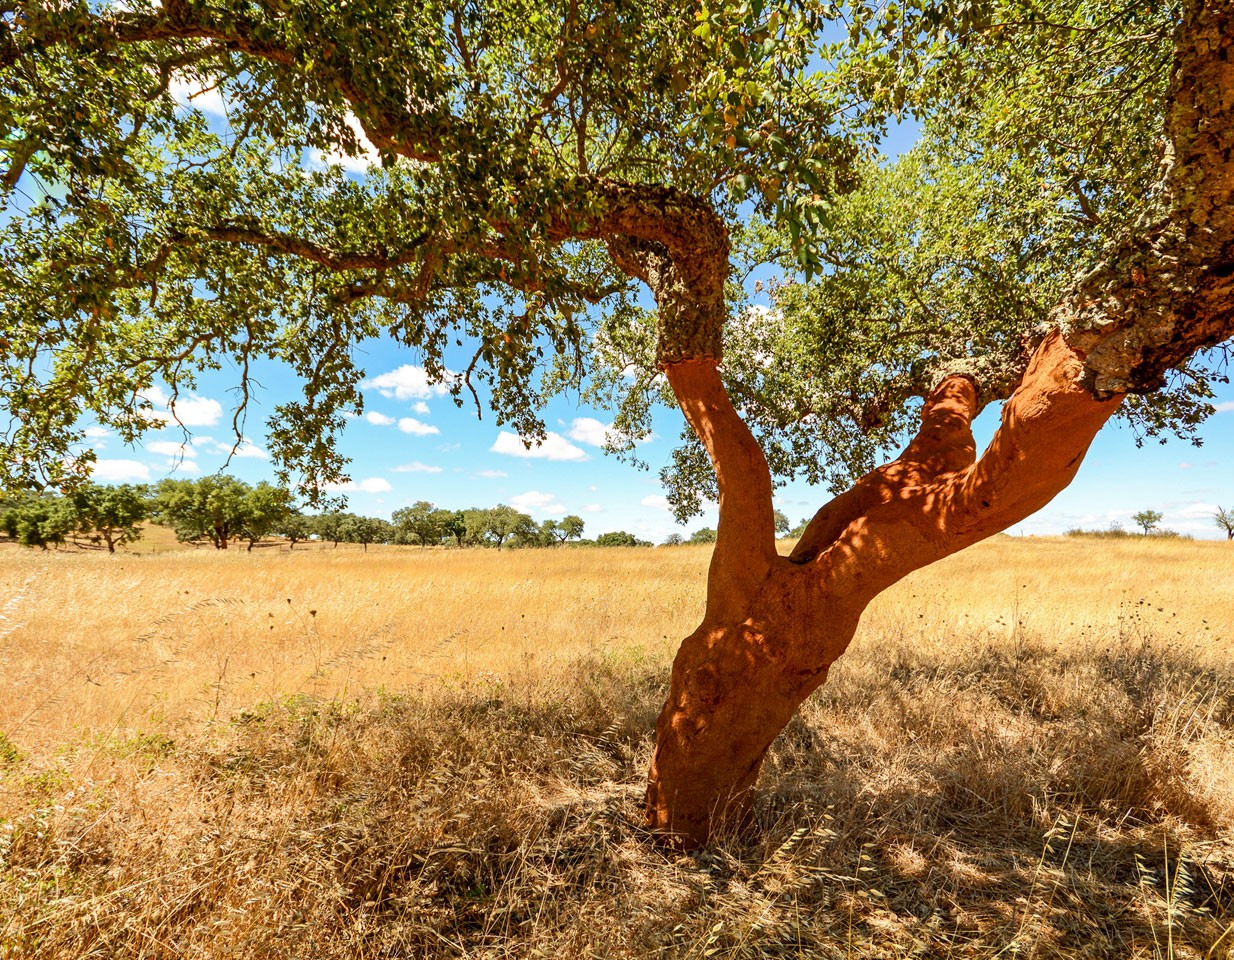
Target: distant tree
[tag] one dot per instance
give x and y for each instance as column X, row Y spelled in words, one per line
column 111, row 514
column 1225, row 520
column 781, row 522
column 503, row 523
column 364, row 530
column 264, row 512
column 330, row 526
column 556, row 532
column 475, row 526
column 799, row 530
column 456, row 527
column 673, row 540
column 620, row 539
column 422, row 523
column 210, row 508
column 705, row 535
column 296, row 527
column 38, row 520
column 1147, row 520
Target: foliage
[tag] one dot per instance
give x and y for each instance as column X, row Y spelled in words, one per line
column 297, row 527
column 484, row 234
column 704, row 535
column 113, row 514
column 421, row 523
column 221, row 509
column 569, row 527
column 265, row 511
column 364, row 530
column 620, row 538
column 1147, row 520
column 37, row 520
column 508, row 140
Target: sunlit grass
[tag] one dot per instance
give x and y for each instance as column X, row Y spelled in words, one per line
column 1028, row 751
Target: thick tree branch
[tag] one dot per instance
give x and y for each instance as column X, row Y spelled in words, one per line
column 745, row 538
column 935, row 500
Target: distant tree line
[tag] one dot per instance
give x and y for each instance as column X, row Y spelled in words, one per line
column 221, row 511
column 94, row 513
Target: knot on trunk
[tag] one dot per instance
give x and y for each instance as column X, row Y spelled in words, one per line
column 689, row 296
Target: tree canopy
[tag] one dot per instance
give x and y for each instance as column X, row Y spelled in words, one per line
column 526, row 158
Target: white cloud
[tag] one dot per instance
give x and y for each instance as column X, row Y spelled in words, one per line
column 369, row 155
column 1186, row 466
column 591, row 431
column 416, row 467
column 187, row 468
column 413, row 426
column 120, row 471
column 1227, row 407
column 588, row 430
column 246, row 449
column 170, row 448
column 492, row 474
column 97, row 433
column 406, row 383
column 655, row 500
column 378, row 419
column 554, row 447
column 420, row 407
column 592, row 508
column 367, row 485
column 188, row 409
column 533, row 501
column 193, row 92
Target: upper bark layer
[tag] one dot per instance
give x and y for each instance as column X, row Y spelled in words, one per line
column 1168, row 292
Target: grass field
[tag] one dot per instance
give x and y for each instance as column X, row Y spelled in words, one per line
column 1028, row 751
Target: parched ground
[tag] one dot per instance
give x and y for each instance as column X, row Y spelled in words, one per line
column 1029, row 751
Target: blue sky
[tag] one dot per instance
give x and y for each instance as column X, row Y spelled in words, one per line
column 412, row 443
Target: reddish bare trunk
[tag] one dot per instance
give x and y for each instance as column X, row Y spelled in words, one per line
column 774, row 625
column 734, row 687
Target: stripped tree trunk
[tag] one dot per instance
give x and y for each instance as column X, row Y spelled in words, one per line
column 774, row 625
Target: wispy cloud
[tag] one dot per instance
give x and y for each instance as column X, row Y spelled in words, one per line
column 120, row 471
column 491, row 474
column 588, row 430
column 1226, row 407
column 656, row 500
column 366, row 157
column 553, row 447
column 416, row 467
column 188, row 409
column 591, row 431
column 198, row 94
column 408, row 382
column 533, row 501
column 417, row 427
column 367, row 485
column 378, row 419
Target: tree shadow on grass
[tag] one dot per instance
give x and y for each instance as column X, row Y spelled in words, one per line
column 1027, row 805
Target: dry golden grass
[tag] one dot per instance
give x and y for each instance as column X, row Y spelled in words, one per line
column 1029, row 751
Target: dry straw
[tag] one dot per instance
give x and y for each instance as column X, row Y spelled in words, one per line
column 1029, row 752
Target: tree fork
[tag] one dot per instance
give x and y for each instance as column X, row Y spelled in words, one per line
column 774, row 625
